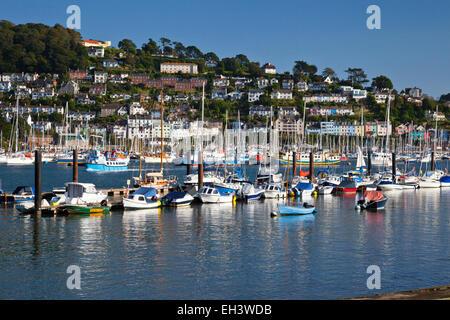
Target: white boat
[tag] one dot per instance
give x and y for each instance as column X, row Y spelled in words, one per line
column 19, row 160
column 249, row 192
column 208, row 178
column 326, row 189
column 212, row 195
column 431, row 179
column 381, row 159
column 386, row 183
column 273, row 191
column 142, row 198
column 83, row 193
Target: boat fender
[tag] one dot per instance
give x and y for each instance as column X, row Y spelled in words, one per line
column 358, row 207
column 273, row 214
column 103, row 203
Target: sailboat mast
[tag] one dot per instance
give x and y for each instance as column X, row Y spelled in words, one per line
column 162, row 134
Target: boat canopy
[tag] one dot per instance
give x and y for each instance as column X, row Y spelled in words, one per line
column 23, row 189
column 304, row 186
column 175, row 195
column 373, row 195
column 146, row 192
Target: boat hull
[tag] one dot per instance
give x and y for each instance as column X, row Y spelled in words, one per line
column 102, row 167
column 86, row 210
column 291, row 211
column 132, row 204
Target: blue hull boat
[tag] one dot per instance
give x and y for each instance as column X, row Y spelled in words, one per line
column 289, row 210
column 102, row 167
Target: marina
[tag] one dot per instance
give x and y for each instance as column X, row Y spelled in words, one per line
column 190, row 250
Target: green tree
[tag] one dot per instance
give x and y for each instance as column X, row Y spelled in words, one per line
column 127, row 45
column 382, row 82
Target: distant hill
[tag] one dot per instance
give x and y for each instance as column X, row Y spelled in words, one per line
column 39, row 48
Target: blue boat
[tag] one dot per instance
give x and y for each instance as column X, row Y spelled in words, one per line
column 21, row 194
column 110, row 161
column 291, row 210
column 177, row 199
column 303, row 187
column 445, row 181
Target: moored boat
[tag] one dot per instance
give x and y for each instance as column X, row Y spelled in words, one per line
column 374, row 200
column 142, row 198
column 293, row 210
column 177, row 199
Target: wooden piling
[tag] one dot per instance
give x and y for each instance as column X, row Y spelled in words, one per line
column 311, row 166
column 75, row 166
column 37, row 181
column 294, row 164
column 394, row 168
column 432, row 161
column 369, row 162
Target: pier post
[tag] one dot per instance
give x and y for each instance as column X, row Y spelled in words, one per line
column 432, row 161
column 369, row 162
column 37, row 181
column 75, row 166
column 394, row 168
column 311, row 166
column 200, row 171
column 294, row 163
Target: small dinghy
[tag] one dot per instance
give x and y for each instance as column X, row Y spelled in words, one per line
column 291, row 210
column 177, row 199
column 374, row 200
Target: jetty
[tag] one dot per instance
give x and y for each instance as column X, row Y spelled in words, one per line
column 432, row 293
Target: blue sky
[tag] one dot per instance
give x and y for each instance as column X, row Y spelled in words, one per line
column 412, row 47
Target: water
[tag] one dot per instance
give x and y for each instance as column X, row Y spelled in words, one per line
column 222, row 252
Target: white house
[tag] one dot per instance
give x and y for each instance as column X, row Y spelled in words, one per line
column 302, row 86
column 137, row 109
column 281, row 94
column 262, row 82
column 254, row 95
column 359, row 94
column 100, row 77
column 269, row 68
column 42, row 93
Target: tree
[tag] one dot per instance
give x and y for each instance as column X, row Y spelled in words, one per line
column 179, row 48
column 243, row 60
column 211, row 56
column 382, row 82
column 357, row 75
column 164, row 42
column 328, row 72
column 150, row 47
column 302, row 68
column 193, row 52
column 127, row 45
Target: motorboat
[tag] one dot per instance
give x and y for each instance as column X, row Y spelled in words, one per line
column 326, row 189
column 177, row 199
column 374, row 200
column 213, row 195
column 109, row 161
column 445, row 181
column 250, row 192
column 347, row 186
column 142, row 198
column 303, row 189
column 431, row 179
column 273, row 191
column 21, row 194
column 83, row 193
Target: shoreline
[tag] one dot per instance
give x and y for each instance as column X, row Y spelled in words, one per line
column 431, row 293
